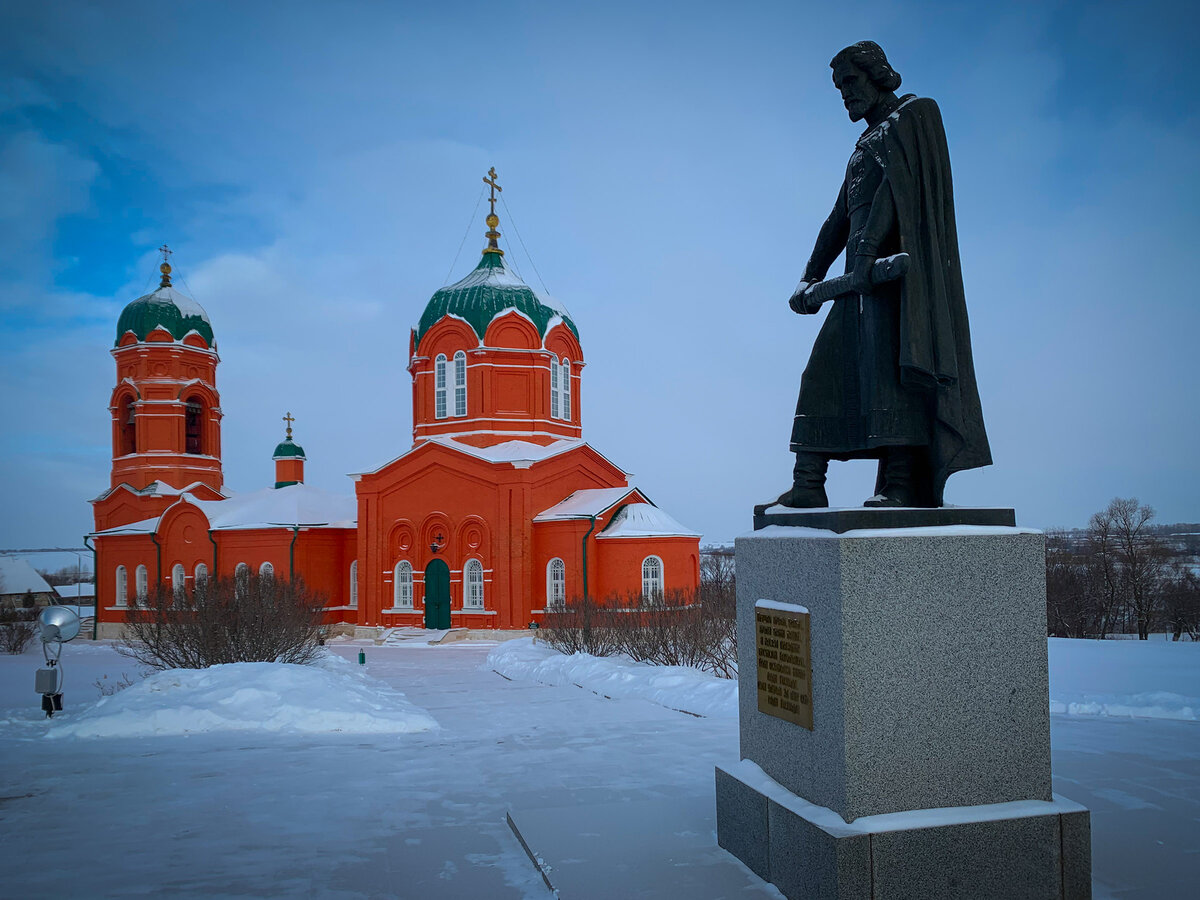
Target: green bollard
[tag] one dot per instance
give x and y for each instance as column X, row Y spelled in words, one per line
column 362, row 657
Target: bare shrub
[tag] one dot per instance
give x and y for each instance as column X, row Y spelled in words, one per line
column 108, row 688
column 248, row 618
column 580, row 626
column 17, row 628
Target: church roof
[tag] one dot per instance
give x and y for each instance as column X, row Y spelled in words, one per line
column 288, row 449
column 638, row 520
column 489, row 290
column 167, row 308
column 584, row 504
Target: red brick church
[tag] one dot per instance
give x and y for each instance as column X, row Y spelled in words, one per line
column 498, row 510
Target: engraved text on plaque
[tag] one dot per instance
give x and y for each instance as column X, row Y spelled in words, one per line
column 784, row 662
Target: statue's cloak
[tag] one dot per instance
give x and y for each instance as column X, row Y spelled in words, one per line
column 935, row 337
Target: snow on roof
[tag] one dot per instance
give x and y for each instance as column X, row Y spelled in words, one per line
column 145, row 526
column 17, row 576
column 296, row 504
column 514, row 452
column 644, row 520
column 584, row 504
column 79, row 589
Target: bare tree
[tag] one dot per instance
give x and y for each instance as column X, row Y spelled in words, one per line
column 1181, row 602
column 249, row 618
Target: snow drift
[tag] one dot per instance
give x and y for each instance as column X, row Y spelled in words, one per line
column 329, row 696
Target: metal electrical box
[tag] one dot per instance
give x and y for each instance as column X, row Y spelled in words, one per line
column 47, row 681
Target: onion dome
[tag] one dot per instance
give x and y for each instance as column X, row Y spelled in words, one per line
column 287, row 448
column 166, row 308
column 492, row 288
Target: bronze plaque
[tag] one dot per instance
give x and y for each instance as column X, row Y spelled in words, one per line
column 784, row 664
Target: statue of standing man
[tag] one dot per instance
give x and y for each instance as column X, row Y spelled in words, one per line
column 890, row 376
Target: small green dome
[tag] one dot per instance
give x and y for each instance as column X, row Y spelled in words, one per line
column 289, row 449
column 168, row 308
column 485, row 293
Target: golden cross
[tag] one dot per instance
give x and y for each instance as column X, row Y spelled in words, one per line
column 490, row 181
column 288, row 418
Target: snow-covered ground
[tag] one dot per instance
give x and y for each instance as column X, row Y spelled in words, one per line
column 322, row 798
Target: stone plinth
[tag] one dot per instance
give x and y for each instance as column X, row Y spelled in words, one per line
column 929, row 692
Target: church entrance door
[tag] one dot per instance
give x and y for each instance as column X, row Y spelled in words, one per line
column 437, row 594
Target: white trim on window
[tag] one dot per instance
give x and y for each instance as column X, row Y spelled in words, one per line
column 565, row 381
column 473, row 584
column 354, row 583
column 266, row 570
column 402, row 585
column 122, row 586
column 554, row 391
column 460, row 383
column 652, row 579
column 200, row 574
column 178, row 577
column 439, row 387
column 556, row 584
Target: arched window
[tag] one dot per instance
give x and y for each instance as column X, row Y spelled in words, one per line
column 127, row 427
column 178, row 577
column 354, row 583
column 439, row 386
column 565, row 381
column 266, row 570
column 122, row 586
column 141, row 585
column 200, row 576
column 402, row 585
column 460, row 383
column 473, row 584
column 652, row 578
column 193, row 427
column 554, row 391
column 241, row 570
column 556, row 584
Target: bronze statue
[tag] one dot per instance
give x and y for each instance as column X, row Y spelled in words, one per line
column 890, row 376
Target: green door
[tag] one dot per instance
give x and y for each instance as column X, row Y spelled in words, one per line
column 437, row 594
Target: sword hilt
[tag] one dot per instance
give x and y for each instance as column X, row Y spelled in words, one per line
column 890, row 268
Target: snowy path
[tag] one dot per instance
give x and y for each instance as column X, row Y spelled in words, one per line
column 250, row 815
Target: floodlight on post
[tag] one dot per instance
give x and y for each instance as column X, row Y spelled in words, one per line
column 58, row 624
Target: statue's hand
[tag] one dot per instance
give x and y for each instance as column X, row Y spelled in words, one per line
column 797, row 302
column 860, row 275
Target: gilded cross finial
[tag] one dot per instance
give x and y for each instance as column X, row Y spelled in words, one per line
column 165, row 268
column 492, row 219
column 289, row 419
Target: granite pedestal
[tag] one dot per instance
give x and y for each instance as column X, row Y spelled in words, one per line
column 927, row 769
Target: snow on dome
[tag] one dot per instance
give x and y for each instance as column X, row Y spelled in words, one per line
column 330, row 696
column 166, row 308
column 644, row 520
column 487, row 291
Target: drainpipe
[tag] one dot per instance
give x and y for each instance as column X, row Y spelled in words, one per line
column 292, row 553
column 213, row 541
column 157, row 560
column 96, row 578
column 585, row 537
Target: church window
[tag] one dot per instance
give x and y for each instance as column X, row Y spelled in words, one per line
column 402, row 585
column 439, row 387
column 127, row 427
column 652, row 579
column 122, row 586
column 556, row 584
column 565, row 379
column 241, row 579
column 177, row 579
column 194, row 427
column 460, row 383
column 266, row 570
column 201, row 575
column 354, row 583
column 554, row 391
column 141, row 585
column 473, row 582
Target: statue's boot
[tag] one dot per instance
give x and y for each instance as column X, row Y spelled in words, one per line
column 899, row 479
column 808, row 482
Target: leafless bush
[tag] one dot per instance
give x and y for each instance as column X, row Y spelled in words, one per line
column 17, row 629
column 108, row 688
column 249, row 618
column 680, row 629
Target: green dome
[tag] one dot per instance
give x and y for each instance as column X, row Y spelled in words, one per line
column 166, row 307
column 289, row 449
column 485, row 293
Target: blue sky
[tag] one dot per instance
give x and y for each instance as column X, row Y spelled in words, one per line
column 315, row 166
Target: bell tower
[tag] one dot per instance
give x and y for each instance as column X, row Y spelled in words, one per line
column 166, row 411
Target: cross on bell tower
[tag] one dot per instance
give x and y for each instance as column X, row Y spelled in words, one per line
column 492, row 219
